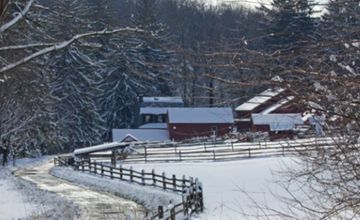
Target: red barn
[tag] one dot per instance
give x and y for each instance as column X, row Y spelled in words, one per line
column 185, row 123
column 277, row 125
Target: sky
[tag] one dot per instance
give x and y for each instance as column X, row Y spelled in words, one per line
column 256, row 3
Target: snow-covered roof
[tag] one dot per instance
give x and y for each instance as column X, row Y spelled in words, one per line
column 315, row 106
column 200, row 115
column 317, row 120
column 277, row 105
column 141, row 134
column 163, row 99
column 129, row 138
column 259, row 99
column 153, row 111
column 154, row 126
column 101, row 147
column 278, row 122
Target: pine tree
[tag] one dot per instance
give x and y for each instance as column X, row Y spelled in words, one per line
column 153, row 44
column 288, row 25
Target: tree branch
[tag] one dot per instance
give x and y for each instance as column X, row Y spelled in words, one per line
column 63, row 45
column 17, row 18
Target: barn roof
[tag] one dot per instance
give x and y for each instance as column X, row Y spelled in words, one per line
column 163, row 99
column 153, row 126
column 141, row 134
column 153, row 111
column 278, row 122
column 259, row 99
column 200, row 115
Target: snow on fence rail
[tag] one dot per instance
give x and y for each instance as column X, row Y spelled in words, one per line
column 191, row 190
column 211, row 152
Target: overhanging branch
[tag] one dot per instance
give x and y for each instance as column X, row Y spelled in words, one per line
column 63, row 45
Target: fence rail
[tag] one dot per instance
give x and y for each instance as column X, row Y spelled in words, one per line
column 211, row 152
column 191, row 190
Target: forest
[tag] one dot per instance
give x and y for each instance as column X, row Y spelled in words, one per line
column 71, row 70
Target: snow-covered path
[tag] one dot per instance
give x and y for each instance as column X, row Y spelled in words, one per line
column 94, row 204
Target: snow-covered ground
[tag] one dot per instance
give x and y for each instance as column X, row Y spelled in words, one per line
column 23, row 200
column 228, row 186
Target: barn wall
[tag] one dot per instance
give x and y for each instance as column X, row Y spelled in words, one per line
column 180, row 132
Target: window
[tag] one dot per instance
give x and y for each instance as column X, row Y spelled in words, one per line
column 160, row 119
column 147, row 118
column 213, row 130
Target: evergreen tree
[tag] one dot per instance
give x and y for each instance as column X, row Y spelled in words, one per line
column 74, row 85
column 153, row 44
column 288, row 25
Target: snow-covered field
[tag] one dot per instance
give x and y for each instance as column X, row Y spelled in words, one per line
column 227, row 185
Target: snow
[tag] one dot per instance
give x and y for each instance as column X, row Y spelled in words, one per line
column 278, row 122
column 277, row 105
column 141, row 134
column 163, row 99
column 315, row 106
column 100, row 147
column 154, row 126
column 225, row 183
column 153, row 111
column 23, row 200
column 200, row 115
column 260, row 99
column 149, row 197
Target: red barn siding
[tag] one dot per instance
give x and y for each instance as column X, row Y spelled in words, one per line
column 186, row 131
column 273, row 134
column 262, row 128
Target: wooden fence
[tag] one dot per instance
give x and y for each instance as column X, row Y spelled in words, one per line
column 191, row 190
column 215, row 152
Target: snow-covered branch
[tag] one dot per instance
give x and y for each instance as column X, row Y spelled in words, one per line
column 20, row 47
column 63, row 45
column 17, row 18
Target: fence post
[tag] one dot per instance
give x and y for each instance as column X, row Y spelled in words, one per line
column 164, row 180
column 102, row 169
column 191, row 182
column 183, row 182
column 175, row 149
column 180, row 155
column 214, row 154
column 283, row 150
column 121, row 172
column 174, row 181
column 249, row 152
column 153, row 177
column 54, row 161
column 90, row 166
column 172, row 214
column 232, row 146
column 82, row 164
column 131, row 174
column 95, row 167
column 111, row 172
column 205, row 146
column 143, row 177
column 259, row 144
column 145, row 154
column 161, row 211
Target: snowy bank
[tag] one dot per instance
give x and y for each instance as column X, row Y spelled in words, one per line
column 21, row 199
column 149, row 197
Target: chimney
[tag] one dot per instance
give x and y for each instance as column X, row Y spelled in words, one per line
column 140, row 98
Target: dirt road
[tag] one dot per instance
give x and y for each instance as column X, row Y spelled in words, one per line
column 94, row 204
